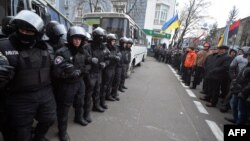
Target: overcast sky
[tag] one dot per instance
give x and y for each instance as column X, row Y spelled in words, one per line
column 219, row 10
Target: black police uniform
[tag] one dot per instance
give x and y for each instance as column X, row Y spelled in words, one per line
column 118, row 73
column 69, row 66
column 125, row 66
column 108, row 75
column 29, row 92
column 100, row 53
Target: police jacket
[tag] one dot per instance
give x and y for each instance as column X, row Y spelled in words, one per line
column 100, row 52
column 124, row 56
column 32, row 64
column 127, row 56
column 70, row 64
column 220, row 70
column 114, row 56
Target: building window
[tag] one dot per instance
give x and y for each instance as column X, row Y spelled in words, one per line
column 66, row 3
column 79, row 12
column 161, row 14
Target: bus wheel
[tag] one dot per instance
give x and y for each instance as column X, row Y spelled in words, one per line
column 133, row 66
column 143, row 59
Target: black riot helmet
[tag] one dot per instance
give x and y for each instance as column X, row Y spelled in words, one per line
column 31, row 23
column 88, row 37
column 7, row 28
column 123, row 40
column 76, row 31
column 111, row 37
column 130, row 41
column 55, row 30
column 28, row 20
column 99, row 35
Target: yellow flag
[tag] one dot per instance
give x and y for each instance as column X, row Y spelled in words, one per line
column 221, row 40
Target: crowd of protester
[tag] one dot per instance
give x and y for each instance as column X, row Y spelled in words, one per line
column 222, row 73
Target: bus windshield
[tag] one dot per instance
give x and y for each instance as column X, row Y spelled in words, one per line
column 117, row 26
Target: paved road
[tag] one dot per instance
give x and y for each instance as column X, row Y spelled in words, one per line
column 156, row 107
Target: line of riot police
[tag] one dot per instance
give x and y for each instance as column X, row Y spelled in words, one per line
column 41, row 79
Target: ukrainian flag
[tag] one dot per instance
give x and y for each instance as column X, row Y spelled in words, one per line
column 224, row 37
column 171, row 24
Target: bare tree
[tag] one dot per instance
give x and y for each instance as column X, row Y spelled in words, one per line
column 93, row 4
column 132, row 7
column 233, row 14
column 191, row 16
column 211, row 38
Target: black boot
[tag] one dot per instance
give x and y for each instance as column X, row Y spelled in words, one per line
column 41, row 130
column 87, row 111
column 88, row 118
column 103, row 103
column 124, row 87
column 121, row 90
column 110, row 98
column 64, row 136
column 117, row 98
column 98, row 108
column 79, row 117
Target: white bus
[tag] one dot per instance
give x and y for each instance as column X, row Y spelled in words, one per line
column 121, row 25
column 42, row 7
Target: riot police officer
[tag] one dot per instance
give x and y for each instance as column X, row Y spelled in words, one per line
column 69, row 68
column 109, row 71
column 29, row 92
column 99, row 60
column 56, row 33
column 118, row 70
column 125, row 66
column 6, row 74
column 7, row 29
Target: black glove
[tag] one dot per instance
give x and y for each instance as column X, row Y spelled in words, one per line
column 6, row 74
column 76, row 73
column 103, row 65
column 241, row 96
column 94, row 60
column 117, row 58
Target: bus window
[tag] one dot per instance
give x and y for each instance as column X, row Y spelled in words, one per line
column 18, row 6
column 2, row 9
column 117, row 26
column 54, row 15
column 62, row 20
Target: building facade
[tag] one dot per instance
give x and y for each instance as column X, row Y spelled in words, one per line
column 157, row 13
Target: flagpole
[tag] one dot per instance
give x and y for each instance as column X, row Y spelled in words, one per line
column 234, row 37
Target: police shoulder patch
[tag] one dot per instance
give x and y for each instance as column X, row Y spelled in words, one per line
column 58, row 60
